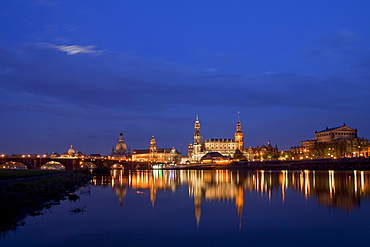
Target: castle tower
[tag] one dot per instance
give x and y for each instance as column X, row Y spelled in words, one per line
column 197, row 131
column 153, row 145
column 239, row 136
column 197, row 146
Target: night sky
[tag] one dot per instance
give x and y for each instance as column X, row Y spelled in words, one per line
column 81, row 72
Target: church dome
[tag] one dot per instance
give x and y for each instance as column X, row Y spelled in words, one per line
column 71, row 151
column 121, row 146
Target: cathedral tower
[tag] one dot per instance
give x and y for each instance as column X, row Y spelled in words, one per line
column 239, row 136
column 153, row 145
column 197, row 131
column 197, row 146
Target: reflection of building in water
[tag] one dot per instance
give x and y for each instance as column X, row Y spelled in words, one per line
column 120, row 183
column 342, row 189
column 217, row 185
column 157, row 155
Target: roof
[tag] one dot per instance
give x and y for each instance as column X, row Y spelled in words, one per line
column 220, row 140
column 158, row 150
column 213, row 155
column 334, row 128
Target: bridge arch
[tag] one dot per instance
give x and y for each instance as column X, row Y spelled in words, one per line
column 53, row 165
column 89, row 165
column 117, row 166
column 13, row 165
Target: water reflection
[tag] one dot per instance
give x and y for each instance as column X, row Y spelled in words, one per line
column 204, row 207
column 341, row 189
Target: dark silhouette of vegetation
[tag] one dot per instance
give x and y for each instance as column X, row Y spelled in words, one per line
column 339, row 148
column 238, row 155
column 19, row 198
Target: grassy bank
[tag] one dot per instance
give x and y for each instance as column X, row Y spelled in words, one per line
column 23, row 191
column 5, row 174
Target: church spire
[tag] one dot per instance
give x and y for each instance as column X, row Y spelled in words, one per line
column 197, row 131
column 153, row 145
column 239, row 134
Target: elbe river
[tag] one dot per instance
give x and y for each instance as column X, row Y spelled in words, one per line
column 207, row 208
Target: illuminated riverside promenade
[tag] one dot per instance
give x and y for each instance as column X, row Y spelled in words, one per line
column 38, row 161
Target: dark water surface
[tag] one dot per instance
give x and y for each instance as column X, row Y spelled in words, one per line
column 208, row 208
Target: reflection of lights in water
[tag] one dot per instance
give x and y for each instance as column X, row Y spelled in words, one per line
column 262, row 182
column 307, row 183
column 284, row 184
column 362, row 182
column 155, row 174
column 222, row 185
column 355, row 181
column 331, row 183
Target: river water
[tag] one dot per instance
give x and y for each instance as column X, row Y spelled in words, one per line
column 207, row 208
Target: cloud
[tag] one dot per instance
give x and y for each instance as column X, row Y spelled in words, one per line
column 337, row 52
column 107, row 91
column 74, row 49
column 124, row 82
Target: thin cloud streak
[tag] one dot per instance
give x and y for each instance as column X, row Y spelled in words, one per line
column 75, row 49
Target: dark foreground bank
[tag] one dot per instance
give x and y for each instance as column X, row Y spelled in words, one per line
column 23, row 192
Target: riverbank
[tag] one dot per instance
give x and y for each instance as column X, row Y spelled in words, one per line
column 22, row 192
column 314, row 164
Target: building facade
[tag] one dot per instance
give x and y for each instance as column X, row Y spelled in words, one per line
column 337, row 142
column 157, row 155
column 226, row 147
column 336, row 133
column 120, row 149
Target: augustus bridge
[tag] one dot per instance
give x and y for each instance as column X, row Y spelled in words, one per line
column 69, row 163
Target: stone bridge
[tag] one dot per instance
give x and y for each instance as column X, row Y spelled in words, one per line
column 72, row 164
column 38, row 162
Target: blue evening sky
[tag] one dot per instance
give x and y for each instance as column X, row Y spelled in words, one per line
column 81, row 72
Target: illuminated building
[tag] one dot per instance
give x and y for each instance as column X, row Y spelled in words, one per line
column 226, row 147
column 264, row 152
column 334, row 142
column 121, row 148
column 215, row 157
column 157, row 155
column 336, row 133
column 71, row 153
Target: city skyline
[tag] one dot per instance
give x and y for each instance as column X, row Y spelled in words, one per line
column 82, row 72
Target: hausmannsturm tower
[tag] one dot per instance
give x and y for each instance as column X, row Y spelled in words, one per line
column 239, row 136
column 226, row 147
